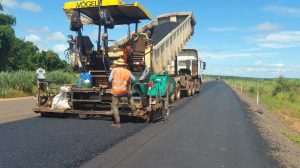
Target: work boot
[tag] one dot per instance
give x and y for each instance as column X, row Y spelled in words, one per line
column 116, row 125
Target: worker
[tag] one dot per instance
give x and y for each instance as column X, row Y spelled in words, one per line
column 120, row 77
column 149, row 30
column 128, row 50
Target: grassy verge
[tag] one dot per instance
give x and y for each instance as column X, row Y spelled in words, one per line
column 281, row 96
column 23, row 83
column 292, row 137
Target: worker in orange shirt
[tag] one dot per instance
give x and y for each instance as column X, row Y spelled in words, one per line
column 120, row 77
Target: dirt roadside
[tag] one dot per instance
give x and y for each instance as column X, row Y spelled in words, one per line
column 16, row 109
column 286, row 152
column 15, row 99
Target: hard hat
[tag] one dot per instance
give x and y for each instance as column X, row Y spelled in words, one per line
column 119, row 62
column 135, row 36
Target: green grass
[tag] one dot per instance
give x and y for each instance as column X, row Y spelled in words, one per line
column 23, row 83
column 292, row 137
column 281, row 96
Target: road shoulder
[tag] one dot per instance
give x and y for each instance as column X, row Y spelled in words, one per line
column 15, row 99
column 16, row 109
column 286, row 152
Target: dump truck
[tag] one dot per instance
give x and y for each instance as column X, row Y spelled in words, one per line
column 187, row 70
column 148, row 51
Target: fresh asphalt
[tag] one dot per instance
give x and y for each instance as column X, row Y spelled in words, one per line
column 211, row 129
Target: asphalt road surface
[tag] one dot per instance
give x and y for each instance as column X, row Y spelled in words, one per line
column 209, row 130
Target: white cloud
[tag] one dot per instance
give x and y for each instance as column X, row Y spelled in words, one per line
column 277, row 65
column 220, row 55
column 261, row 64
column 266, row 26
column 42, row 48
column 262, row 70
column 33, row 38
column 285, row 36
column 222, row 29
column 29, row 6
column 286, row 11
column 57, row 36
column 44, row 29
column 278, row 45
column 60, row 48
column 261, row 67
column 253, row 49
column 283, row 39
column 258, row 63
column 10, row 3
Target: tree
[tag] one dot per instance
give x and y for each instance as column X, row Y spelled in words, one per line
column 1, row 7
column 52, row 61
column 23, row 55
column 17, row 54
column 7, row 36
column 6, row 19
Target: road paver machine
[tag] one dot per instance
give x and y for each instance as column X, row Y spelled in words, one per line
column 148, row 51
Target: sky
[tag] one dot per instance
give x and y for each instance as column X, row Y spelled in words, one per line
column 254, row 38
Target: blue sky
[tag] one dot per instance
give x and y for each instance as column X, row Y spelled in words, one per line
column 257, row 38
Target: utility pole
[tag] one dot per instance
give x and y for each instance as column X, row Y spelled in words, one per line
column 257, row 98
column 241, row 88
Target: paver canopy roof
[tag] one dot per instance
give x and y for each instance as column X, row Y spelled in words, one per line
column 122, row 13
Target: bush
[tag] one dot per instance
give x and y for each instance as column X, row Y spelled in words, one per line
column 24, row 82
column 61, row 77
column 20, row 80
column 281, row 86
column 252, row 89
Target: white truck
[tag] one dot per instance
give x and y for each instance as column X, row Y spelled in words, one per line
column 188, row 70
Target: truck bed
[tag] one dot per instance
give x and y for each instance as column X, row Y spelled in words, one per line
column 171, row 33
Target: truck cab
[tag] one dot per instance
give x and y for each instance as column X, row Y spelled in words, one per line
column 188, row 71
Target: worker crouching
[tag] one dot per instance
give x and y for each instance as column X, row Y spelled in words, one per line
column 120, row 77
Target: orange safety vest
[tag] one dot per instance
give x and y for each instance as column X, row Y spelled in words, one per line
column 121, row 76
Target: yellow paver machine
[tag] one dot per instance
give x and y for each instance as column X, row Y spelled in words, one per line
column 148, row 51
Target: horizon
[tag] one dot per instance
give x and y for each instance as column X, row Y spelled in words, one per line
column 249, row 77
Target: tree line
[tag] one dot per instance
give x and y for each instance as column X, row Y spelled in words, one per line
column 18, row 54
